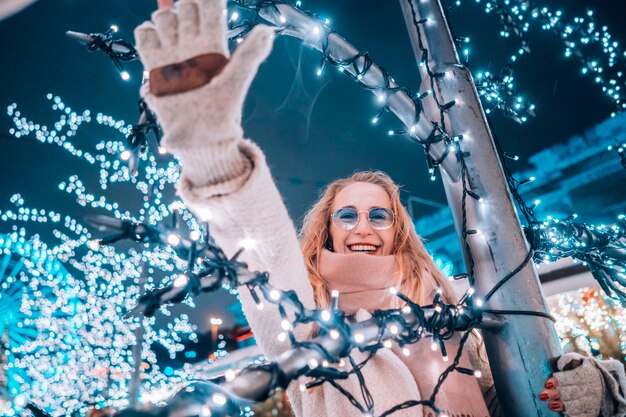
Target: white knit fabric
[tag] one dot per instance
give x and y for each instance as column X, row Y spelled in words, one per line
column 202, row 126
column 595, row 388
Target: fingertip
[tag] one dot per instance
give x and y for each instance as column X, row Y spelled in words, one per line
column 550, row 383
column 164, row 4
column 146, row 36
column 557, row 406
column 259, row 41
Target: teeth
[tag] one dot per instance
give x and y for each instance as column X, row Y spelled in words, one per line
column 362, row 248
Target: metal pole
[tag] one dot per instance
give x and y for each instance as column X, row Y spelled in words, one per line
column 522, row 353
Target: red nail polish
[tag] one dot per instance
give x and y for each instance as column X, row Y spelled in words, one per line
column 555, row 406
column 549, row 385
column 544, row 396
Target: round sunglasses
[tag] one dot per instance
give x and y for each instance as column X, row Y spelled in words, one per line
column 380, row 218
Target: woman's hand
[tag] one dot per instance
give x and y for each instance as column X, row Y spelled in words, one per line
column 195, row 85
column 577, row 389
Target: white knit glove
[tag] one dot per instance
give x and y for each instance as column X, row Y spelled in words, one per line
column 594, row 388
column 202, row 126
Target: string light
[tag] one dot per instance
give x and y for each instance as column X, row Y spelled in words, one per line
column 117, row 50
column 581, row 37
column 434, row 326
column 77, row 186
column 93, row 363
column 275, row 295
column 597, row 246
column 325, row 315
column 219, row 399
column 173, row 239
column 181, row 280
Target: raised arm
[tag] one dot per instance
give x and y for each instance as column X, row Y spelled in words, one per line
column 197, row 90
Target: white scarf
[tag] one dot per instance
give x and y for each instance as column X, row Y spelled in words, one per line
column 363, row 281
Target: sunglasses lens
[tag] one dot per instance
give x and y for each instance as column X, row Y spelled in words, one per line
column 380, row 218
column 346, row 217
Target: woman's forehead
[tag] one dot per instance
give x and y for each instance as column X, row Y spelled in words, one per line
column 363, row 196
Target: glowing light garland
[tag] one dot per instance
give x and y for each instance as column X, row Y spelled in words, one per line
column 86, row 358
column 621, row 151
column 359, row 67
column 601, row 248
column 116, row 49
column 590, row 324
column 209, row 269
column 498, row 91
column 582, row 38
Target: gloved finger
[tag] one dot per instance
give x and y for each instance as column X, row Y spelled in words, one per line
column 213, row 24
column 146, row 40
column 550, row 394
column 573, row 364
column 166, row 23
column 574, row 407
column 571, row 378
column 246, row 59
column 188, row 21
column 570, row 361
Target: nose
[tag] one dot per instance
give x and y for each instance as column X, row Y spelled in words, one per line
column 363, row 226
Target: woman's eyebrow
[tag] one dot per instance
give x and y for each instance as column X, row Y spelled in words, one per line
column 368, row 209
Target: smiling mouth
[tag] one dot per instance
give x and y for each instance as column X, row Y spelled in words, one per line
column 363, row 248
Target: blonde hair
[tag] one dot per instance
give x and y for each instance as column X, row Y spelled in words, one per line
column 419, row 272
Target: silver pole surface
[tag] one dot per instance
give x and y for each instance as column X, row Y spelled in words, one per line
column 521, row 354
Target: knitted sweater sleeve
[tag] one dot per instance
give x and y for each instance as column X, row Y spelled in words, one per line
column 241, row 203
column 225, row 179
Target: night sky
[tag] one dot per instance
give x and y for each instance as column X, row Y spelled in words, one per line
column 313, row 129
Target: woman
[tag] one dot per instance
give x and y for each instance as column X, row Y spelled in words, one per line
column 358, row 239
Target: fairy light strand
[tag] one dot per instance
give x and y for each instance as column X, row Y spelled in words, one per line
column 599, row 55
column 360, row 66
column 117, row 50
column 213, row 263
column 95, row 344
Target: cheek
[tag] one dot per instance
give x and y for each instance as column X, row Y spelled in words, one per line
column 333, row 238
column 337, row 237
column 388, row 239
